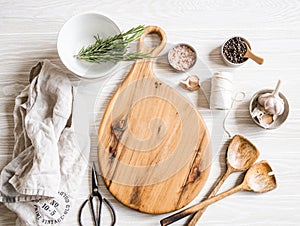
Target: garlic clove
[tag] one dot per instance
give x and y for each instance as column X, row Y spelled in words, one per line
column 262, row 99
column 191, row 82
column 256, row 113
column 267, row 119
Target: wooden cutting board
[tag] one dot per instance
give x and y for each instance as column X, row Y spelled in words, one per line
column 153, row 145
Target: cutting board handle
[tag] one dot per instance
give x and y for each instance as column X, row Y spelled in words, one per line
column 143, row 68
column 152, row 30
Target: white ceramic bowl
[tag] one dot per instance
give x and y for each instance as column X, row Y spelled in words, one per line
column 171, row 52
column 229, row 63
column 280, row 119
column 79, row 31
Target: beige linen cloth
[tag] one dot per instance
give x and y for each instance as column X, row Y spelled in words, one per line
column 47, row 166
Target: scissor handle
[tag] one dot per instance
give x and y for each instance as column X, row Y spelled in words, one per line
column 97, row 220
column 112, row 211
column 80, row 211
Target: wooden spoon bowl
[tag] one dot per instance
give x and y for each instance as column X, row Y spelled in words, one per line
column 241, row 153
column 260, row 178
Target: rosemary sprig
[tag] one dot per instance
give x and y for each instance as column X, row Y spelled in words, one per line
column 113, row 48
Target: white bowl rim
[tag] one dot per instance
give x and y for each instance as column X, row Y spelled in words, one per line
column 76, row 73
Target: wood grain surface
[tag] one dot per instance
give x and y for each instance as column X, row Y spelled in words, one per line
column 28, row 32
column 153, row 144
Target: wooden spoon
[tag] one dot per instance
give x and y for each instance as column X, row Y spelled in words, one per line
column 241, row 154
column 259, row 178
column 252, row 56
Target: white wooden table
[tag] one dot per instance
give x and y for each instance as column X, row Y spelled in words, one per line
column 28, row 31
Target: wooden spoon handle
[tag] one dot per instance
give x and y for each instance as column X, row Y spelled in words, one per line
column 197, row 207
column 152, row 30
column 254, row 57
column 199, row 213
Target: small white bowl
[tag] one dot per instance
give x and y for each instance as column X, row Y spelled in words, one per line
column 280, row 119
column 171, row 52
column 229, row 63
column 79, row 31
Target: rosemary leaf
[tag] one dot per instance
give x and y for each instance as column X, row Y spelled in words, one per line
column 113, row 48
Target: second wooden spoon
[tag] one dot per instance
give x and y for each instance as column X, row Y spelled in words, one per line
column 259, row 178
column 241, row 154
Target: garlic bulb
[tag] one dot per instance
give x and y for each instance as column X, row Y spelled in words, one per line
column 271, row 102
column 273, row 106
column 191, row 82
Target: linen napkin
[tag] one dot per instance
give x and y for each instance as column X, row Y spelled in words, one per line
column 47, row 166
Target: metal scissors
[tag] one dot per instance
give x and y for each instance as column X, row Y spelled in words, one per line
column 96, row 208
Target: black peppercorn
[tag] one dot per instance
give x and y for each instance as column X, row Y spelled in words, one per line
column 234, row 50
